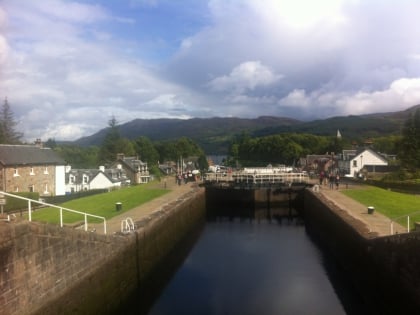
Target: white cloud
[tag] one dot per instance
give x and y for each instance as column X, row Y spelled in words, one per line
column 400, row 94
column 4, row 47
column 67, row 66
column 246, row 76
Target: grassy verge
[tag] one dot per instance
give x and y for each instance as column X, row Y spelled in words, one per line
column 392, row 204
column 101, row 204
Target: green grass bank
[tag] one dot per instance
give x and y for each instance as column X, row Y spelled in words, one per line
column 396, row 206
column 103, row 205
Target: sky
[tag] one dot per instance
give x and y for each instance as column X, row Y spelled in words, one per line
column 67, row 67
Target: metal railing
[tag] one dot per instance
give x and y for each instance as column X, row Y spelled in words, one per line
column 31, row 201
column 257, row 178
column 127, row 225
column 391, row 227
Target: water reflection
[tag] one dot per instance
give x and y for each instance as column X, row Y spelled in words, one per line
column 255, row 262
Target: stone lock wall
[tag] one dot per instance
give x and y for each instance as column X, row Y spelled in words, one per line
column 37, row 261
column 385, row 270
column 47, row 270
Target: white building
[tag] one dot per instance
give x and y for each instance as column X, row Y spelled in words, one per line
column 364, row 159
column 88, row 179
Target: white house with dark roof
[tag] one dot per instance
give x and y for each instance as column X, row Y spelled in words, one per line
column 88, row 179
column 364, row 159
column 31, row 168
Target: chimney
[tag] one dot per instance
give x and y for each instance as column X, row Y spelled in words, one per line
column 38, row 143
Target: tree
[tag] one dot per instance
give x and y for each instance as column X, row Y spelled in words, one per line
column 78, row 157
column 147, row 151
column 8, row 134
column 410, row 142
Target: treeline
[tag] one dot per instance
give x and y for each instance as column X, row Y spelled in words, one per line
column 146, row 150
column 288, row 148
column 279, row 149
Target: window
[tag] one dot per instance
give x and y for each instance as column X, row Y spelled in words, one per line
column 15, row 172
column 46, row 188
column 85, row 179
column 71, row 179
column 16, row 189
column 32, row 172
column 354, row 163
column 46, row 170
column 31, row 188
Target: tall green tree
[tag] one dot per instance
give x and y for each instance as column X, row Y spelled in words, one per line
column 78, row 157
column 114, row 144
column 8, row 133
column 146, row 151
column 410, row 143
column 181, row 148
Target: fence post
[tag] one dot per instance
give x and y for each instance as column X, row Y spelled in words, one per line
column 408, row 224
column 85, row 222
column 61, row 217
column 29, row 211
column 392, row 227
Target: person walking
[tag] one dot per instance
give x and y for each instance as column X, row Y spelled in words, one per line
column 331, row 180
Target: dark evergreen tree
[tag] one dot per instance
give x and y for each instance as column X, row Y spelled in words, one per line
column 110, row 146
column 410, row 142
column 146, row 151
column 8, row 133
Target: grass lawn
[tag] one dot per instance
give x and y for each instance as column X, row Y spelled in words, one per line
column 102, row 204
column 392, row 204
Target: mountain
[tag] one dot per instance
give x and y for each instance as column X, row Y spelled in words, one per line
column 214, row 134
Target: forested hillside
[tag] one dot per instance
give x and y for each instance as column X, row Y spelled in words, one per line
column 215, row 134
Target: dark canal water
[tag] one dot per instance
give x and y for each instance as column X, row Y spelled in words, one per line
column 263, row 264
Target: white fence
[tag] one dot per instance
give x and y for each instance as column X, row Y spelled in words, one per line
column 257, row 177
column 32, row 201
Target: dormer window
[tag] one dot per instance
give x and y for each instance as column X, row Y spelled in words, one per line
column 85, row 179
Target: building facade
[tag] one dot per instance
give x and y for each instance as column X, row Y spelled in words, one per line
column 136, row 171
column 31, row 168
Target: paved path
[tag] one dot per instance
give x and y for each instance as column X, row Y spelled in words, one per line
column 175, row 192
column 376, row 222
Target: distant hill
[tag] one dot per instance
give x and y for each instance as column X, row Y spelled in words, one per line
column 214, row 134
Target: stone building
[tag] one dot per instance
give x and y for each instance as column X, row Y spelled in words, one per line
column 136, row 170
column 31, row 168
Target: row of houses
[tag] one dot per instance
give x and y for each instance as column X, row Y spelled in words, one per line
column 354, row 163
column 33, row 168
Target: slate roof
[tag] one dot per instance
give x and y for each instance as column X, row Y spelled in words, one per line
column 132, row 163
column 14, row 155
column 92, row 173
